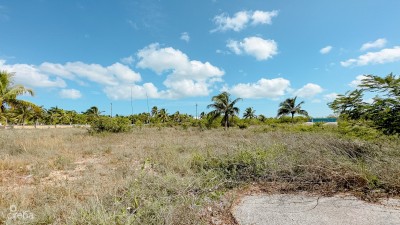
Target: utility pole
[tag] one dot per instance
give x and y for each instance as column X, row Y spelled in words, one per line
column 196, row 112
column 111, row 110
column 148, row 109
column 131, row 102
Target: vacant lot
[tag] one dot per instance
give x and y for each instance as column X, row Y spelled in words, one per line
column 176, row 175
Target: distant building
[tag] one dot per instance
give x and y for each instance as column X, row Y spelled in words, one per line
column 323, row 120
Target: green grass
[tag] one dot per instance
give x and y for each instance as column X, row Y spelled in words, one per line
column 173, row 175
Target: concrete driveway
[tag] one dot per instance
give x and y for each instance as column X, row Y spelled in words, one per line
column 296, row 209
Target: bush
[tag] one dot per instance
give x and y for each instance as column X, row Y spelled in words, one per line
column 113, row 125
column 243, row 125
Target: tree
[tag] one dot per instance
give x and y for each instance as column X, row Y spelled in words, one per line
column 38, row 114
column 154, row 111
column 289, row 107
column 350, row 104
column 163, row 115
column 9, row 93
column 223, row 105
column 54, row 115
column 249, row 113
column 23, row 113
column 383, row 112
column 262, row 118
column 93, row 113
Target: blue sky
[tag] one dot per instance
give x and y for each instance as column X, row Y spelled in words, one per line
column 76, row 54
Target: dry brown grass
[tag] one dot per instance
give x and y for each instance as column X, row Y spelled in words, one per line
column 165, row 176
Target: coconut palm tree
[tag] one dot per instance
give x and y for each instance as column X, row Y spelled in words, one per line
column 249, row 113
column 289, row 107
column 9, row 93
column 223, row 105
column 23, row 113
column 92, row 113
column 38, row 114
column 54, row 114
column 154, row 111
column 261, row 118
column 163, row 115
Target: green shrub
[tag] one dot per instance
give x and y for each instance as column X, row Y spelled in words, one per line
column 113, row 125
column 243, row 125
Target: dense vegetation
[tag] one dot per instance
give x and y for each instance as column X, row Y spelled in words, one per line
column 382, row 113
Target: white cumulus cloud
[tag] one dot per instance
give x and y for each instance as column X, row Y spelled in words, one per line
column 325, row 50
column 263, row 88
column 242, row 19
column 70, row 93
column 383, row 56
column 32, row 76
column 53, row 75
column 128, row 60
column 185, row 77
column 262, row 17
column 309, row 90
column 379, row 43
column 257, row 47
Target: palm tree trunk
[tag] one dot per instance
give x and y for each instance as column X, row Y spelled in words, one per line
column 226, row 122
column 292, row 118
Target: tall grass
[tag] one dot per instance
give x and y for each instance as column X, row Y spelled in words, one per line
column 172, row 175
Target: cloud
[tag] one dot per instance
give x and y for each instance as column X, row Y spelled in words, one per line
column 325, row 50
column 309, row 90
column 262, row 17
column 264, row 88
column 128, row 60
column 379, row 43
column 185, row 36
column 234, row 46
column 386, row 55
column 330, row 97
column 32, row 76
column 53, row 75
column 70, row 93
column 241, row 20
column 257, row 47
column 110, row 75
column 125, row 91
column 185, row 78
column 357, row 81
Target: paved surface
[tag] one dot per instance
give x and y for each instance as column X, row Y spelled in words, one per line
column 310, row 210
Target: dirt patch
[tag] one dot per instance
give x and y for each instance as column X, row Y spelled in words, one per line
column 59, row 177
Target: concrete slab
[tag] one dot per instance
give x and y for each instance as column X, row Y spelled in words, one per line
column 303, row 209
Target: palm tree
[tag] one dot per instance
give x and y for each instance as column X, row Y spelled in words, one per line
column 38, row 113
column 223, row 105
column 54, row 114
column 262, row 118
column 154, row 111
column 249, row 113
column 163, row 115
column 9, row 93
column 23, row 113
column 92, row 113
column 289, row 107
